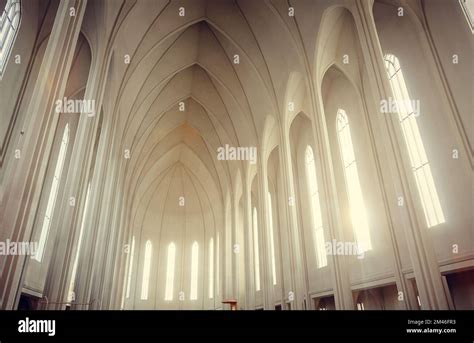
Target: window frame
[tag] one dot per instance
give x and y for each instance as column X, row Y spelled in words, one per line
column 9, row 35
column 419, row 161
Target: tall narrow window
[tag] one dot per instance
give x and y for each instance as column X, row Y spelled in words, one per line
column 218, row 264
column 194, row 270
column 416, row 151
column 146, row 270
column 468, row 9
column 316, row 218
column 211, row 268
column 130, row 268
column 356, row 201
column 79, row 244
column 272, row 242
column 9, row 24
column 53, row 194
column 170, row 271
column 256, row 250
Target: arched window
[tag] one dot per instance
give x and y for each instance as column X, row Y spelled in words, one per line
column 211, row 268
column 218, row 264
column 79, row 244
column 272, row 242
column 130, row 267
column 356, row 201
column 9, row 25
column 146, row 270
column 316, row 218
column 416, row 151
column 53, row 194
column 256, row 250
column 170, row 271
column 194, row 270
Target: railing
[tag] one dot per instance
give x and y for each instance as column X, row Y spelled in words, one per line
column 46, row 301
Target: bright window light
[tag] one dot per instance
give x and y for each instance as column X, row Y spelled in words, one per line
column 170, row 265
column 316, row 217
column 416, row 151
column 217, row 263
column 130, row 268
column 272, row 242
column 211, row 268
column 194, row 270
column 256, row 250
column 146, row 270
column 53, row 194
column 356, row 201
column 79, row 244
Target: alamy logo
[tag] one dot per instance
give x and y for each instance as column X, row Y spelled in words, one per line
column 393, row 106
column 37, row 326
column 76, row 106
column 230, row 153
column 18, row 248
column 344, row 248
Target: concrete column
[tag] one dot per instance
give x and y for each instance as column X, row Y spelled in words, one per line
column 227, row 249
column 298, row 283
column 108, row 264
column 100, row 190
column 22, row 192
column 114, row 234
column 423, row 257
column 341, row 282
column 234, row 253
column 249, row 255
column 78, row 177
column 264, row 235
column 280, row 212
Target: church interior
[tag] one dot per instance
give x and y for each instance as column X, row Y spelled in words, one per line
column 236, row 154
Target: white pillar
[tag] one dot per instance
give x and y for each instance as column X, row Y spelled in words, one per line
column 233, row 253
column 249, row 255
column 422, row 254
column 23, row 187
column 297, row 272
column 264, row 235
column 341, row 283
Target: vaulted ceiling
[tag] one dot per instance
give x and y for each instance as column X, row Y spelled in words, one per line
column 188, row 77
